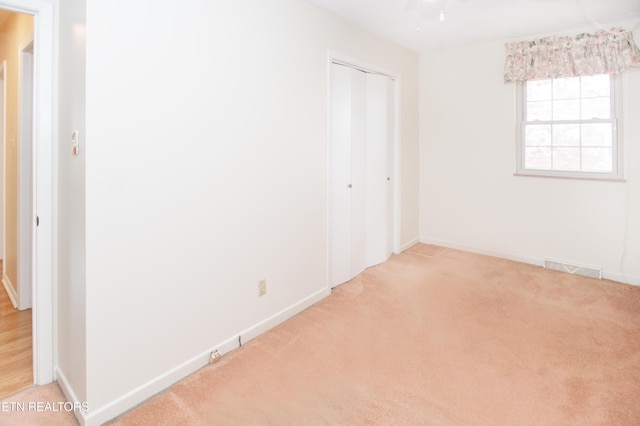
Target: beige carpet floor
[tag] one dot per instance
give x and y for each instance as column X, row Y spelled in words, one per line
column 434, row 336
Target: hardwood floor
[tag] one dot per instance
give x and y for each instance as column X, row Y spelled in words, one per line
column 16, row 358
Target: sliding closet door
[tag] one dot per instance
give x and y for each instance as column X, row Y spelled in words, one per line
column 359, row 172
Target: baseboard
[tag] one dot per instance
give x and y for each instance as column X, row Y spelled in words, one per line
column 410, row 244
column 613, row 276
column 266, row 325
column 68, row 392
column 11, row 292
column 479, row 250
column 100, row 415
column 623, row 278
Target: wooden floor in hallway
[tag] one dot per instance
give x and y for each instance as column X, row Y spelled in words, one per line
column 16, row 355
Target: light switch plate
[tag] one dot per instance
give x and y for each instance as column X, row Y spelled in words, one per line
column 74, row 142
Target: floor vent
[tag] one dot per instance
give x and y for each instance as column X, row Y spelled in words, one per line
column 585, row 271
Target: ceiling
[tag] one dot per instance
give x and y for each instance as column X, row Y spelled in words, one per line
column 473, row 21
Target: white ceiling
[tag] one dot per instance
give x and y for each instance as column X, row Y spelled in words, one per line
column 473, row 21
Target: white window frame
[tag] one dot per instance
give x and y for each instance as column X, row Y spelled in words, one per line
column 617, row 159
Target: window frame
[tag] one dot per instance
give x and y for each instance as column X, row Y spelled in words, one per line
column 616, row 173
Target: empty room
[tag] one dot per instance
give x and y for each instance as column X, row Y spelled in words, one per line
column 320, row 212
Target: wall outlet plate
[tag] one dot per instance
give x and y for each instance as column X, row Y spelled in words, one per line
column 215, row 357
column 262, row 287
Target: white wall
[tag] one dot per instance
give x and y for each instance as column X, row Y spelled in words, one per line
column 469, row 197
column 206, row 171
column 70, row 253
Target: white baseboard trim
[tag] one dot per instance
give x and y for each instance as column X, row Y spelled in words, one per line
column 410, row 244
column 100, row 415
column 613, row 276
column 70, row 395
column 627, row 279
column 495, row 253
column 11, row 291
column 266, row 325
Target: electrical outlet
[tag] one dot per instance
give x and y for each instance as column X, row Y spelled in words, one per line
column 262, row 287
column 215, row 357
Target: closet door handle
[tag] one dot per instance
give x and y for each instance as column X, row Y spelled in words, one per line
column 349, row 186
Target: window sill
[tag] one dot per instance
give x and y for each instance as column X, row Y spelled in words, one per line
column 546, row 175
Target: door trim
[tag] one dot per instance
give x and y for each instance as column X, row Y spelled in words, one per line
column 340, row 59
column 44, row 183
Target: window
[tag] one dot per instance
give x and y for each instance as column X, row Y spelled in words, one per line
column 569, row 127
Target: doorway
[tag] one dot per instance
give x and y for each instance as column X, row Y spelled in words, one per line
column 16, row 322
column 38, row 218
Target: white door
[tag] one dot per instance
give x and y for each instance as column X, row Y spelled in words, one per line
column 358, row 182
column 360, row 201
column 341, row 184
column 379, row 154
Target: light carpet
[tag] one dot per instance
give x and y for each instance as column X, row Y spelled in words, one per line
column 434, row 336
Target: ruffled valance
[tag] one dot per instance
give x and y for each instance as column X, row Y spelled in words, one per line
column 605, row 52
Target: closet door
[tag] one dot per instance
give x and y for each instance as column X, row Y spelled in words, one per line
column 358, row 183
column 340, row 175
column 360, row 202
column 379, row 155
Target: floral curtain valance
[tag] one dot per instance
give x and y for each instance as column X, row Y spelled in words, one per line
column 605, row 52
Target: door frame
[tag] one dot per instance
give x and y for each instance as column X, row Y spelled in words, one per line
column 340, row 59
column 44, row 183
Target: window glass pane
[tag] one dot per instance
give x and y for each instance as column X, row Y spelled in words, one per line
column 597, row 134
column 596, row 108
column 537, row 158
column 566, row 135
column 538, row 111
column 597, row 159
column 539, row 90
column 566, row 88
column 567, row 159
column 569, row 126
column 595, row 86
column 566, row 110
column 538, row 135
